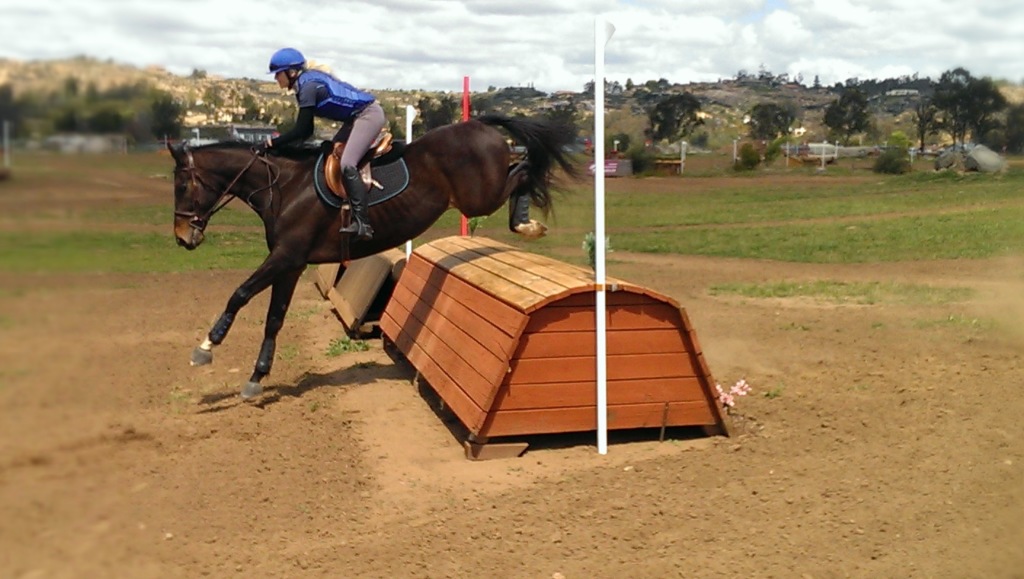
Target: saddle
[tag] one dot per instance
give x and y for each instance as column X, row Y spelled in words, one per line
column 332, row 165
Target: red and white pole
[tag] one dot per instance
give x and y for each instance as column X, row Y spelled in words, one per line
column 464, row 223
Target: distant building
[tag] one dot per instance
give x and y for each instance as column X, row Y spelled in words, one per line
column 78, row 143
column 252, row 134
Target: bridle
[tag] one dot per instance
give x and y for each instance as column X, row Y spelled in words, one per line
column 199, row 222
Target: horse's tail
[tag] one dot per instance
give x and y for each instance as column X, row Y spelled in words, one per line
column 545, row 143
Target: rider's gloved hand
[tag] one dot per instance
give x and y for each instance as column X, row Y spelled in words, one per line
column 262, row 147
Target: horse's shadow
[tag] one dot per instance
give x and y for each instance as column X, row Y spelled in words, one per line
column 349, row 377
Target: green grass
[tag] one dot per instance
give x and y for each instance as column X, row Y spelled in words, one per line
column 957, row 321
column 849, row 292
column 234, row 215
column 121, row 252
column 789, row 217
column 340, row 346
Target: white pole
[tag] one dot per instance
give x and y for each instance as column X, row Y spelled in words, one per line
column 603, row 31
column 824, row 146
column 7, row 144
column 410, row 114
column 734, row 152
column 682, row 156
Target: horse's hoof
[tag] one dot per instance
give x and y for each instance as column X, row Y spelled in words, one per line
column 251, row 390
column 532, row 229
column 201, row 357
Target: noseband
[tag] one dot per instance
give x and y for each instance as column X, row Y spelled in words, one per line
column 199, row 222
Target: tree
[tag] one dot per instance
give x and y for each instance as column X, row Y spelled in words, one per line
column 71, row 85
column 674, row 117
column 252, row 108
column 10, row 110
column 1015, row 128
column 985, row 102
column 967, row 103
column 769, row 120
column 848, row 115
column 106, row 120
column 67, row 121
column 435, row 113
column 926, row 120
column 167, row 116
column 563, row 115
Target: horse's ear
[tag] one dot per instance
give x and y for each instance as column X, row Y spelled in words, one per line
column 177, row 150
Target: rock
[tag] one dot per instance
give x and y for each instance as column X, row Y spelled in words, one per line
column 984, row 160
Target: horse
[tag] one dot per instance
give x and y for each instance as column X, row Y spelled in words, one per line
column 468, row 166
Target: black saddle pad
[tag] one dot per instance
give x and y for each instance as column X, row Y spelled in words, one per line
column 389, row 180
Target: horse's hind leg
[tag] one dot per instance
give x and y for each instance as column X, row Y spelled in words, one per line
column 280, row 299
column 519, row 204
column 519, row 218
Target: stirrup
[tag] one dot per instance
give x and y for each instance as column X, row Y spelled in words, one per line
column 359, row 229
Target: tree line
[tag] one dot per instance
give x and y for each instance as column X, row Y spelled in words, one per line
column 137, row 111
column 958, row 103
column 965, row 107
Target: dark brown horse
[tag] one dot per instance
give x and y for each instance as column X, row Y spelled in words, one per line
column 467, row 166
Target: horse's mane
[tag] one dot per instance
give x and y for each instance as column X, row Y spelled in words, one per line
column 297, row 152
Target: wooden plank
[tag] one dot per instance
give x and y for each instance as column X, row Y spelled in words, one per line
column 490, row 337
column 513, row 396
column 494, row 450
column 464, row 373
column 460, row 403
column 515, row 285
column 584, row 368
column 432, row 282
column 569, row 275
column 496, row 324
column 564, row 274
column 491, row 365
column 357, row 288
column 582, row 419
column 584, row 343
column 326, row 275
column 554, row 318
column 612, row 299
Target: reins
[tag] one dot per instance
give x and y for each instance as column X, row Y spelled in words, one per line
column 199, row 222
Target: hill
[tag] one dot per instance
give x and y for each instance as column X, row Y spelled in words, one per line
column 210, row 100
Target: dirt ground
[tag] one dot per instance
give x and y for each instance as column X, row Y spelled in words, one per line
column 879, row 440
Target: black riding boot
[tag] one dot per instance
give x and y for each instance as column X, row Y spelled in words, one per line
column 357, row 193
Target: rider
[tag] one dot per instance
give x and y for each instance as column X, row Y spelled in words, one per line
column 322, row 95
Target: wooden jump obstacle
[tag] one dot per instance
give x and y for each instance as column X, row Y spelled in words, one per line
column 360, row 292
column 507, row 340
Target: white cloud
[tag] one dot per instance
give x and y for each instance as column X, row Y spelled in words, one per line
column 432, row 44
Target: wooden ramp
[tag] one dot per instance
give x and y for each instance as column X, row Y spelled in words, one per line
column 507, row 339
column 360, row 291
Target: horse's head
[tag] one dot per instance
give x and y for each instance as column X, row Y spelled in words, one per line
column 204, row 181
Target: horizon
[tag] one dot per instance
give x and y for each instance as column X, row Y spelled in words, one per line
column 433, row 45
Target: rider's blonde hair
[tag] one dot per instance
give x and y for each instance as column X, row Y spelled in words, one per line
column 314, row 65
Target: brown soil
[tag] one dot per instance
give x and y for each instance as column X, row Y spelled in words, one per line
column 879, row 441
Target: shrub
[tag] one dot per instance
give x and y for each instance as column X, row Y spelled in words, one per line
column 643, row 159
column 749, row 158
column 893, row 162
column 774, row 150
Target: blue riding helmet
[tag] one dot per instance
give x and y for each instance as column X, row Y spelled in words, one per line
column 286, row 59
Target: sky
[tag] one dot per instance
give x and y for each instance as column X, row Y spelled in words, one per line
column 547, row 44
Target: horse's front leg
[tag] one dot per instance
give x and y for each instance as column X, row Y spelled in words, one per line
column 280, row 299
column 260, row 280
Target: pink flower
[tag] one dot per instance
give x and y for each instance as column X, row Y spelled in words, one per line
column 728, row 399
